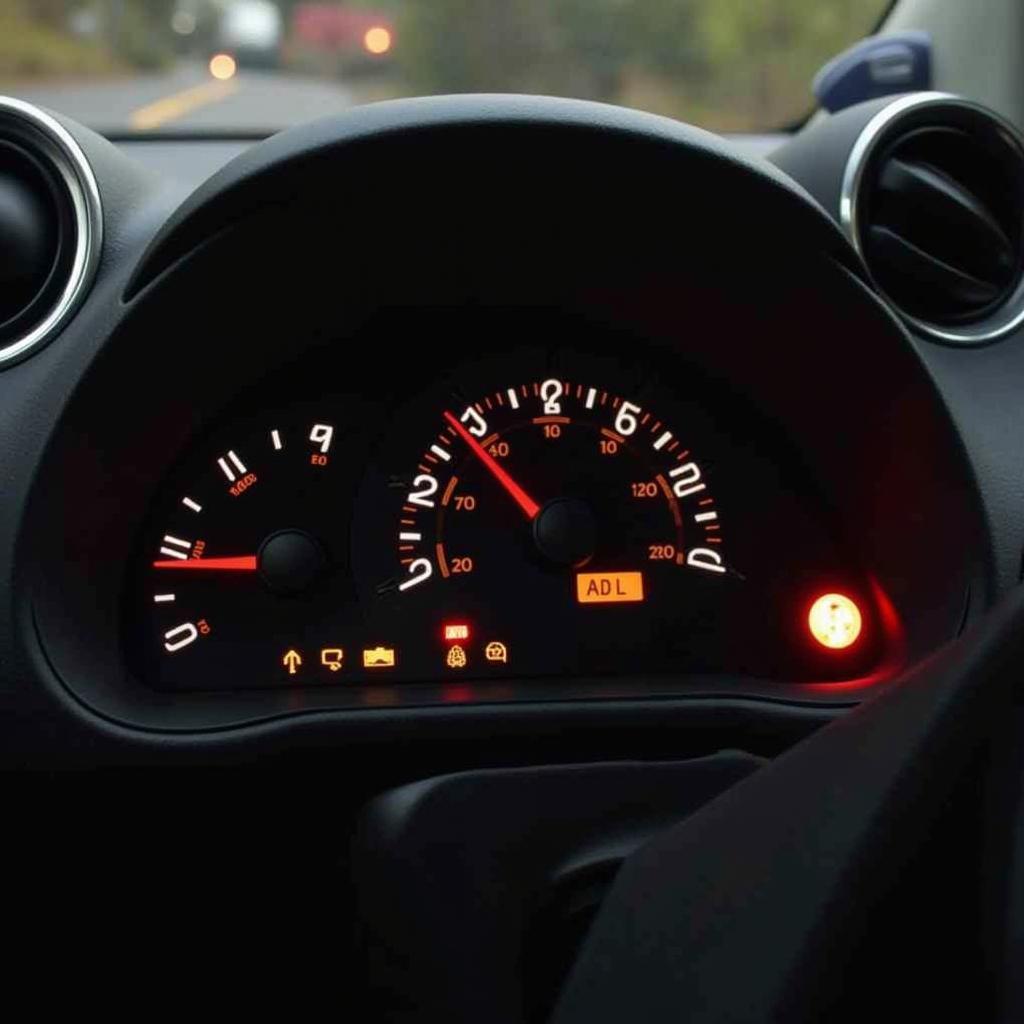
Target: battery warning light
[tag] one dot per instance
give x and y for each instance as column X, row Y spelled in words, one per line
column 379, row 657
column 835, row 621
column 456, row 631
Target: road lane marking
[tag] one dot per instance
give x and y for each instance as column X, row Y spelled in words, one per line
column 170, row 108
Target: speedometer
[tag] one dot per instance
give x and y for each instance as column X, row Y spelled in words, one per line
column 499, row 524
column 557, row 494
column 550, row 498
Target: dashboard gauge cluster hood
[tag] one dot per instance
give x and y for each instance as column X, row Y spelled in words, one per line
column 619, row 223
column 507, row 137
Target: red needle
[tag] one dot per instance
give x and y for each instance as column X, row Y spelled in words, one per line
column 523, row 500
column 243, row 563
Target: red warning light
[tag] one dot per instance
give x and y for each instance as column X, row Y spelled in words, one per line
column 835, row 621
column 456, row 631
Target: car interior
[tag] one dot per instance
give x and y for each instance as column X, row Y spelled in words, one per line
column 611, row 607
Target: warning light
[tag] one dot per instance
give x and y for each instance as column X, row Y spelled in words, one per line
column 456, row 657
column 496, row 651
column 456, row 631
column 835, row 621
column 377, row 40
column 332, row 657
column 291, row 661
column 379, row 657
column 609, row 587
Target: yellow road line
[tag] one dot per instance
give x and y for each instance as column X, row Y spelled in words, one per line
column 181, row 103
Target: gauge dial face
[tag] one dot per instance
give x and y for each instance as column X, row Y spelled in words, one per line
column 244, row 570
column 561, row 503
column 495, row 526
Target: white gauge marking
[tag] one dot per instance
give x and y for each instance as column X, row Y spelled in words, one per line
column 180, row 636
column 591, row 396
column 625, row 420
column 420, row 570
column 705, row 517
column 441, row 453
column 477, row 424
column 194, row 505
column 705, row 558
column 162, row 598
column 688, row 482
column 550, row 393
column 426, row 487
column 275, row 439
column 322, row 434
column 412, row 537
column 228, row 471
column 662, row 441
column 513, row 399
column 172, row 552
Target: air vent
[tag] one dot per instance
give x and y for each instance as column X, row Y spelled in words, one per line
column 933, row 199
column 50, row 228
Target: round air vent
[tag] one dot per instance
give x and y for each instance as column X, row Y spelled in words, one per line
column 50, row 228
column 933, row 199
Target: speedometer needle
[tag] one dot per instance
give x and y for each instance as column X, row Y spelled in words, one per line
column 522, row 499
column 241, row 563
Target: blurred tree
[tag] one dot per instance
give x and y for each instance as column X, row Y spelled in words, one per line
column 763, row 55
column 726, row 63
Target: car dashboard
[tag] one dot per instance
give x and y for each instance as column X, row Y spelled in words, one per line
column 481, row 409
column 410, row 518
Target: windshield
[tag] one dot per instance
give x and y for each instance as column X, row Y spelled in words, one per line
column 254, row 66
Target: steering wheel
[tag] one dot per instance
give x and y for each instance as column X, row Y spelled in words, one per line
column 874, row 871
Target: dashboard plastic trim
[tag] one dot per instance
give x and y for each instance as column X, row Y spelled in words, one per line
column 78, row 178
column 1011, row 316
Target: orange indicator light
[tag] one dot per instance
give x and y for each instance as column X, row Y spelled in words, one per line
column 456, row 631
column 332, row 658
column 609, row 587
column 835, row 621
column 379, row 657
column 456, row 657
column 496, row 651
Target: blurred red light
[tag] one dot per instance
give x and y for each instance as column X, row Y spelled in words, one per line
column 456, row 631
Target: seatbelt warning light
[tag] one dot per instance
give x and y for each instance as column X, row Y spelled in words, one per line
column 609, row 587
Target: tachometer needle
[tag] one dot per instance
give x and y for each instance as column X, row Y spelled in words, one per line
column 241, row 563
column 522, row 499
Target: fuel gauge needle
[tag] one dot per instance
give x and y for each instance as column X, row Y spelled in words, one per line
column 521, row 498
column 239, row 563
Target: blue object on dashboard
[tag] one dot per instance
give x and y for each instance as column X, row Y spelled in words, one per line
column 876, row 66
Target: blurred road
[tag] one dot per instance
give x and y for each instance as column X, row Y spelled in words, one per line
column 188, row 98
